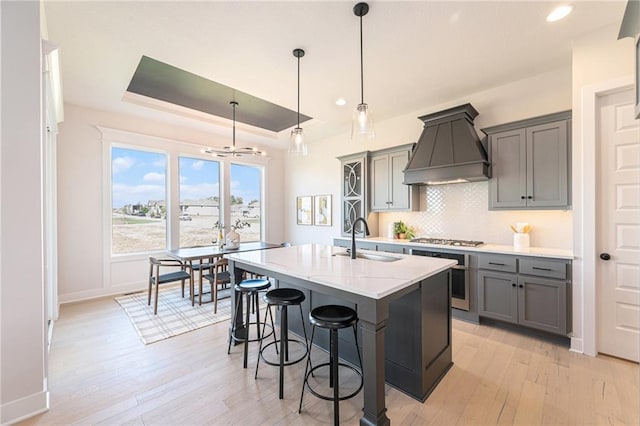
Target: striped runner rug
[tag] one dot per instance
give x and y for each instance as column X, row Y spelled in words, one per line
column 175, row 313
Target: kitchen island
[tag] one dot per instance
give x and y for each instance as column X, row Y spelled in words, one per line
column 403, row 305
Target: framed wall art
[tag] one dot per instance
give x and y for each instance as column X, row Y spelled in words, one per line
column 304, row 210
column 322, row 210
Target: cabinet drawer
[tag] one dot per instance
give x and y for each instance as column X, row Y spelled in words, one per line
column 497, row 263
column 543, row 268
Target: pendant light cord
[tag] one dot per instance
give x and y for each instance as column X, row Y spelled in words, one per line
column 298, row 91
column 361, row 66
column 234, row 124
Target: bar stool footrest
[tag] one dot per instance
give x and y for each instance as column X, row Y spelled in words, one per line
column 242, row 340
column 330, row 398
column 286, row 363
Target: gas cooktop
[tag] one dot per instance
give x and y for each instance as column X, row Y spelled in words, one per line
column 447, row 242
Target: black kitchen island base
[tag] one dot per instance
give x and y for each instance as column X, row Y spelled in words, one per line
column 417, row 344
column 405, row 334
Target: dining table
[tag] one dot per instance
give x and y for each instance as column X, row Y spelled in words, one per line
column 208, row 254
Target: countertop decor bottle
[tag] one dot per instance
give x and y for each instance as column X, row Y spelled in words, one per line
column 220, row 237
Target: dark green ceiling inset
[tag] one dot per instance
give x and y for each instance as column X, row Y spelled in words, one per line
column 167, row 83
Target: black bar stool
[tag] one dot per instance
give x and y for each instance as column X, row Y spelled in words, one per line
column 250, row 289
column 332, row 317
column 283, row 298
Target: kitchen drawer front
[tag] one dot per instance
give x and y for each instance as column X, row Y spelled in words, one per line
column 497, row 263
column 543, row 268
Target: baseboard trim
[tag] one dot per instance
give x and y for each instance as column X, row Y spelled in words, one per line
column 23, row 408
column 577, row 345
column 80, row 296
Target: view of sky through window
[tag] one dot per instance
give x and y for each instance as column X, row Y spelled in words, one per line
column 139, row 182
column 137, row 176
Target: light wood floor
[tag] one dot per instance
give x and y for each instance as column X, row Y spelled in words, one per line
column 101, row 373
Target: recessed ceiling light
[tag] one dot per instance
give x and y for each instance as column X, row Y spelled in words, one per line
column 559, row 12
column 341, row 101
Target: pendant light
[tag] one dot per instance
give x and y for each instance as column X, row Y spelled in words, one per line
column 232, row 151
column 362, row 125
column 297, row 145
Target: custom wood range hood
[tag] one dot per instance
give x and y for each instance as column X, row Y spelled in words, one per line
column 449, row 150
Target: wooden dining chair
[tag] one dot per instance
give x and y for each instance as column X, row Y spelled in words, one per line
column 219, row 275
column 156, row 278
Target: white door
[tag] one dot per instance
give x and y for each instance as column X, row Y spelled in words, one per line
column 618, row 227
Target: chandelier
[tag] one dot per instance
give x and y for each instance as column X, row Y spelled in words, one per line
column 233, row 151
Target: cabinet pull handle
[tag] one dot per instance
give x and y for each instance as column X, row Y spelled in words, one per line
column 497, row 264
column 530, row 197
column 513, row 284
column 521, row 286
column 542, row 269
column 522, row 197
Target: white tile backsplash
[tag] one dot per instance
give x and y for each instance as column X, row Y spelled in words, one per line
column 461, row 211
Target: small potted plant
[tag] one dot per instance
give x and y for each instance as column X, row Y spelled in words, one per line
column 402, row 231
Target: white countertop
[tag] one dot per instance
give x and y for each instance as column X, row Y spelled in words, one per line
column 484, row 248
column 370, row 278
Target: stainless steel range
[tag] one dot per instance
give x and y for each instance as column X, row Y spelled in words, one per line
column 460, row 272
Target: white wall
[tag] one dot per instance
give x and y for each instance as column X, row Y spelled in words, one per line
column 599, row 60
column 319, row 173
column 82, row 248
column 23, row 389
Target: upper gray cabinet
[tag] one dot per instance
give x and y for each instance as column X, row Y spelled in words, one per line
column 388, row 193
column 530, row 163
column 355, row 192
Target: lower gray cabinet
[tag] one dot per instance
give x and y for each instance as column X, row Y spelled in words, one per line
column 498, row 296
column 542, row 304
column 393, row 248
column 390, row 248
column 540, row 301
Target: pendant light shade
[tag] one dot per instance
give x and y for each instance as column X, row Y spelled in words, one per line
column 362, row 125
column 233, row 151
column 297, row 145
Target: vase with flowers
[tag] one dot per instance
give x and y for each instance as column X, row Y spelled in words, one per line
column 232, row 239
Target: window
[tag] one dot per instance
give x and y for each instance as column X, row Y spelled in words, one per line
column 138, row 194
column 246, row 201
column 199, row 201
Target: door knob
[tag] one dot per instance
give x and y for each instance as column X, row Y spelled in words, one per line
column 605, row 256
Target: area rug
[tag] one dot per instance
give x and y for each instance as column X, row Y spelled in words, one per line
column 175, row 313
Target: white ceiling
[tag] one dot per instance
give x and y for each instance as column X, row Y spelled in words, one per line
column 417, row 54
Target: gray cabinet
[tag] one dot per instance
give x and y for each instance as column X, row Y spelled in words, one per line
column 532, row 292
column 530, row 163
column 393, row 248
column 354, row 169
column 389, row 248
column 388, row 193
column 498, row 296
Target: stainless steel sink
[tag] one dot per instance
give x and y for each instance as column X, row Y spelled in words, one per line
column 369, row 256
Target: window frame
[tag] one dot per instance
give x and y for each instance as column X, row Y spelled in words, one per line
column 222, row 203
column 174, row 149
column 109, row 217
column 262, row 169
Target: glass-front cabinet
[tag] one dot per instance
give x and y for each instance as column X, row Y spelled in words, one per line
column 354, row 190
